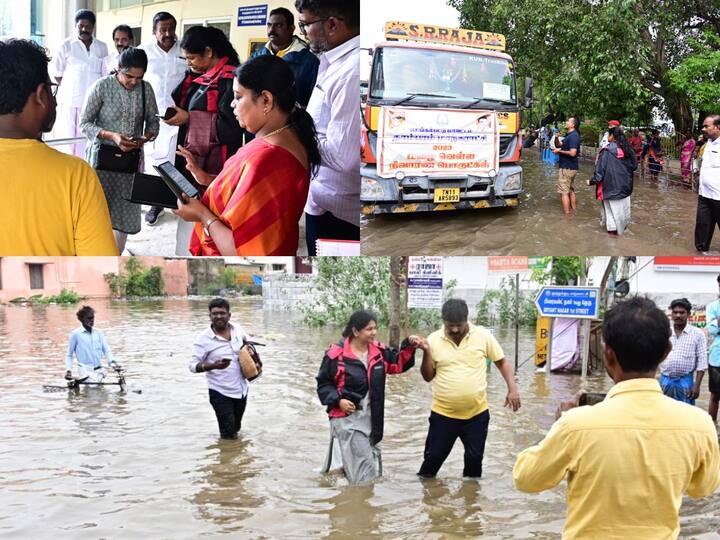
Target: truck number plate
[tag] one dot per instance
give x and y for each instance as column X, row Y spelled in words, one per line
column 446, row 195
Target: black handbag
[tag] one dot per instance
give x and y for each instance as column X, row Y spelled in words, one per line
column 111, row 158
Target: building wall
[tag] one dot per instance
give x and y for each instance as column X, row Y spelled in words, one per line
column 83, row 275
column 284, row 292
column 189, row 12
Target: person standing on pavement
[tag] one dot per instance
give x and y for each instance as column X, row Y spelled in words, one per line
column 166, row 70
column 88, row 345
column 76, row 66
column 283, row 44
column 215, row 353
column 332, row 27
column 708, row 209
column 569, row 153
column 629, row 459
column 712, row 315
column 123, row 39
column 682, row 371
column 456, row 361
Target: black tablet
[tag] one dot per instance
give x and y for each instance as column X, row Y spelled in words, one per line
column 152, row 190
column 175, row 180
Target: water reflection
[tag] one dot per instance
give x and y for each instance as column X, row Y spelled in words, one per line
column 662, row 214
column 101, row 464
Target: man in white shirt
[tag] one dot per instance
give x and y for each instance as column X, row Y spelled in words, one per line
column 76, row 66
column 215, row 353
column 708, row 209
column 123, row 39
column 332, row 27
column 166, row 69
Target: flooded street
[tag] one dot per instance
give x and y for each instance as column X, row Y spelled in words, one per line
column 662, row 215
column 100, row 464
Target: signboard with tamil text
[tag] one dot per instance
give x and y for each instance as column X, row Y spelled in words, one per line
column 252, row 15
column 425, row 282
column 415, row 141
column 687, row 264
column 445, row 35
column 569, row 302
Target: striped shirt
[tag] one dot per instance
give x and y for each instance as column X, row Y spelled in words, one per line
column 688, row 354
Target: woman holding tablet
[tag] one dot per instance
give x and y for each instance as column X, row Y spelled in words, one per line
column 254, row 204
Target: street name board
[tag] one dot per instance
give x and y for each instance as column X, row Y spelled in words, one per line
column 569, row 302
column 252, row 15
column 425, row 282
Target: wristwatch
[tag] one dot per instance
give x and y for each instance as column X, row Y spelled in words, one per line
column 207, row 223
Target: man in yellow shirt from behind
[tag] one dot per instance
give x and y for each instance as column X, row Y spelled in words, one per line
column 456, row 362
column 50, row 203
column 629, row 459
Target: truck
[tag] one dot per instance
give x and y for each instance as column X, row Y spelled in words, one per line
column 441, row 122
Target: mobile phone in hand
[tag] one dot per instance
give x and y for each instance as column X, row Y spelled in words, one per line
column 591, row 398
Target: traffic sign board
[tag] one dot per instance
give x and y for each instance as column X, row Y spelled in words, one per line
column 569, row 302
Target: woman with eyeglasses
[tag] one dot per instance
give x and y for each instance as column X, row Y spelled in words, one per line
column 120, row 112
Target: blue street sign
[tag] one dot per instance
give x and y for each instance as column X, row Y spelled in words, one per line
column 569, row 302
column 252, row 15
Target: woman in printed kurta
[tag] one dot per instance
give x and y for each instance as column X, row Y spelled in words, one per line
column 254, row 205
column 113, row 115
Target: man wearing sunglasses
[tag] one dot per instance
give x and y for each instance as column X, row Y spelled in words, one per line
column 332, row 28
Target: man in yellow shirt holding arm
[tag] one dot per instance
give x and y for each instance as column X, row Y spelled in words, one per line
column 629, row 459
column 51, row 203
column 456, row 362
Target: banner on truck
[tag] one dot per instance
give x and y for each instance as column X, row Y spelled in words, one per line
column 415, row 141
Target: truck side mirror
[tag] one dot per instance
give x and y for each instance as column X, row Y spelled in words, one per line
column 528, row 91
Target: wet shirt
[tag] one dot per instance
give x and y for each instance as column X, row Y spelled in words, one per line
column 460, row 383
column 712, row 314
column 688, row 354
column 571, row 140
column 52, row 203
column 88, row 348
column 628, row 460
column 209, row 346
column 710, row 171
column 79, row 68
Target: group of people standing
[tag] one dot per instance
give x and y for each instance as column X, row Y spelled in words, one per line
column 263, row 141
column 636, row 442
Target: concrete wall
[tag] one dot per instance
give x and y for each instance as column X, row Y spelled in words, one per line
column 83, row 275
column 287, row 291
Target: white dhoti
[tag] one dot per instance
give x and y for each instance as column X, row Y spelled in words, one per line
column 67, row 126
column 85, row 373
column 615, row 214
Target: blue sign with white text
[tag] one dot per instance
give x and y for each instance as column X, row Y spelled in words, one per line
column 569, row 302
column 252, row 15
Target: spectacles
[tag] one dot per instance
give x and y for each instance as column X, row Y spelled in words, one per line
column 303, row 25
column 53, row 88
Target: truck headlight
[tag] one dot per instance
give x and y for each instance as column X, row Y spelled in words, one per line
column 371, row 189
column 513, row 182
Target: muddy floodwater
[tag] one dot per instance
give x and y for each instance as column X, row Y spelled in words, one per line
column 663, row 217
column 100, row 464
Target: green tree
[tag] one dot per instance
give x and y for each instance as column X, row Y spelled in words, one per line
column 605, row 58
column 560, row 270
column 136, row 280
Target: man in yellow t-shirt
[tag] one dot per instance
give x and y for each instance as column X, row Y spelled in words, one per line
column 52, row 203
column 456, row 362
column 629, row 459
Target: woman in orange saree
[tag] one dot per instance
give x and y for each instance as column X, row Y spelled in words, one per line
column 254, row 204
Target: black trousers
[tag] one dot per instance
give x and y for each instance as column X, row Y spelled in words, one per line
column 327, row 226
column 441, row 438
column 708, row 216
column 229, row 412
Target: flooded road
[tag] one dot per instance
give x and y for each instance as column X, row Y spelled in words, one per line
column 100, row 464
column 663, row 217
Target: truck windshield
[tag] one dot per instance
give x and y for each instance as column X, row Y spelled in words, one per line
column 456, row 78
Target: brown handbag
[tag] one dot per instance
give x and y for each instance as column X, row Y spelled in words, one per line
column 249, row 359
